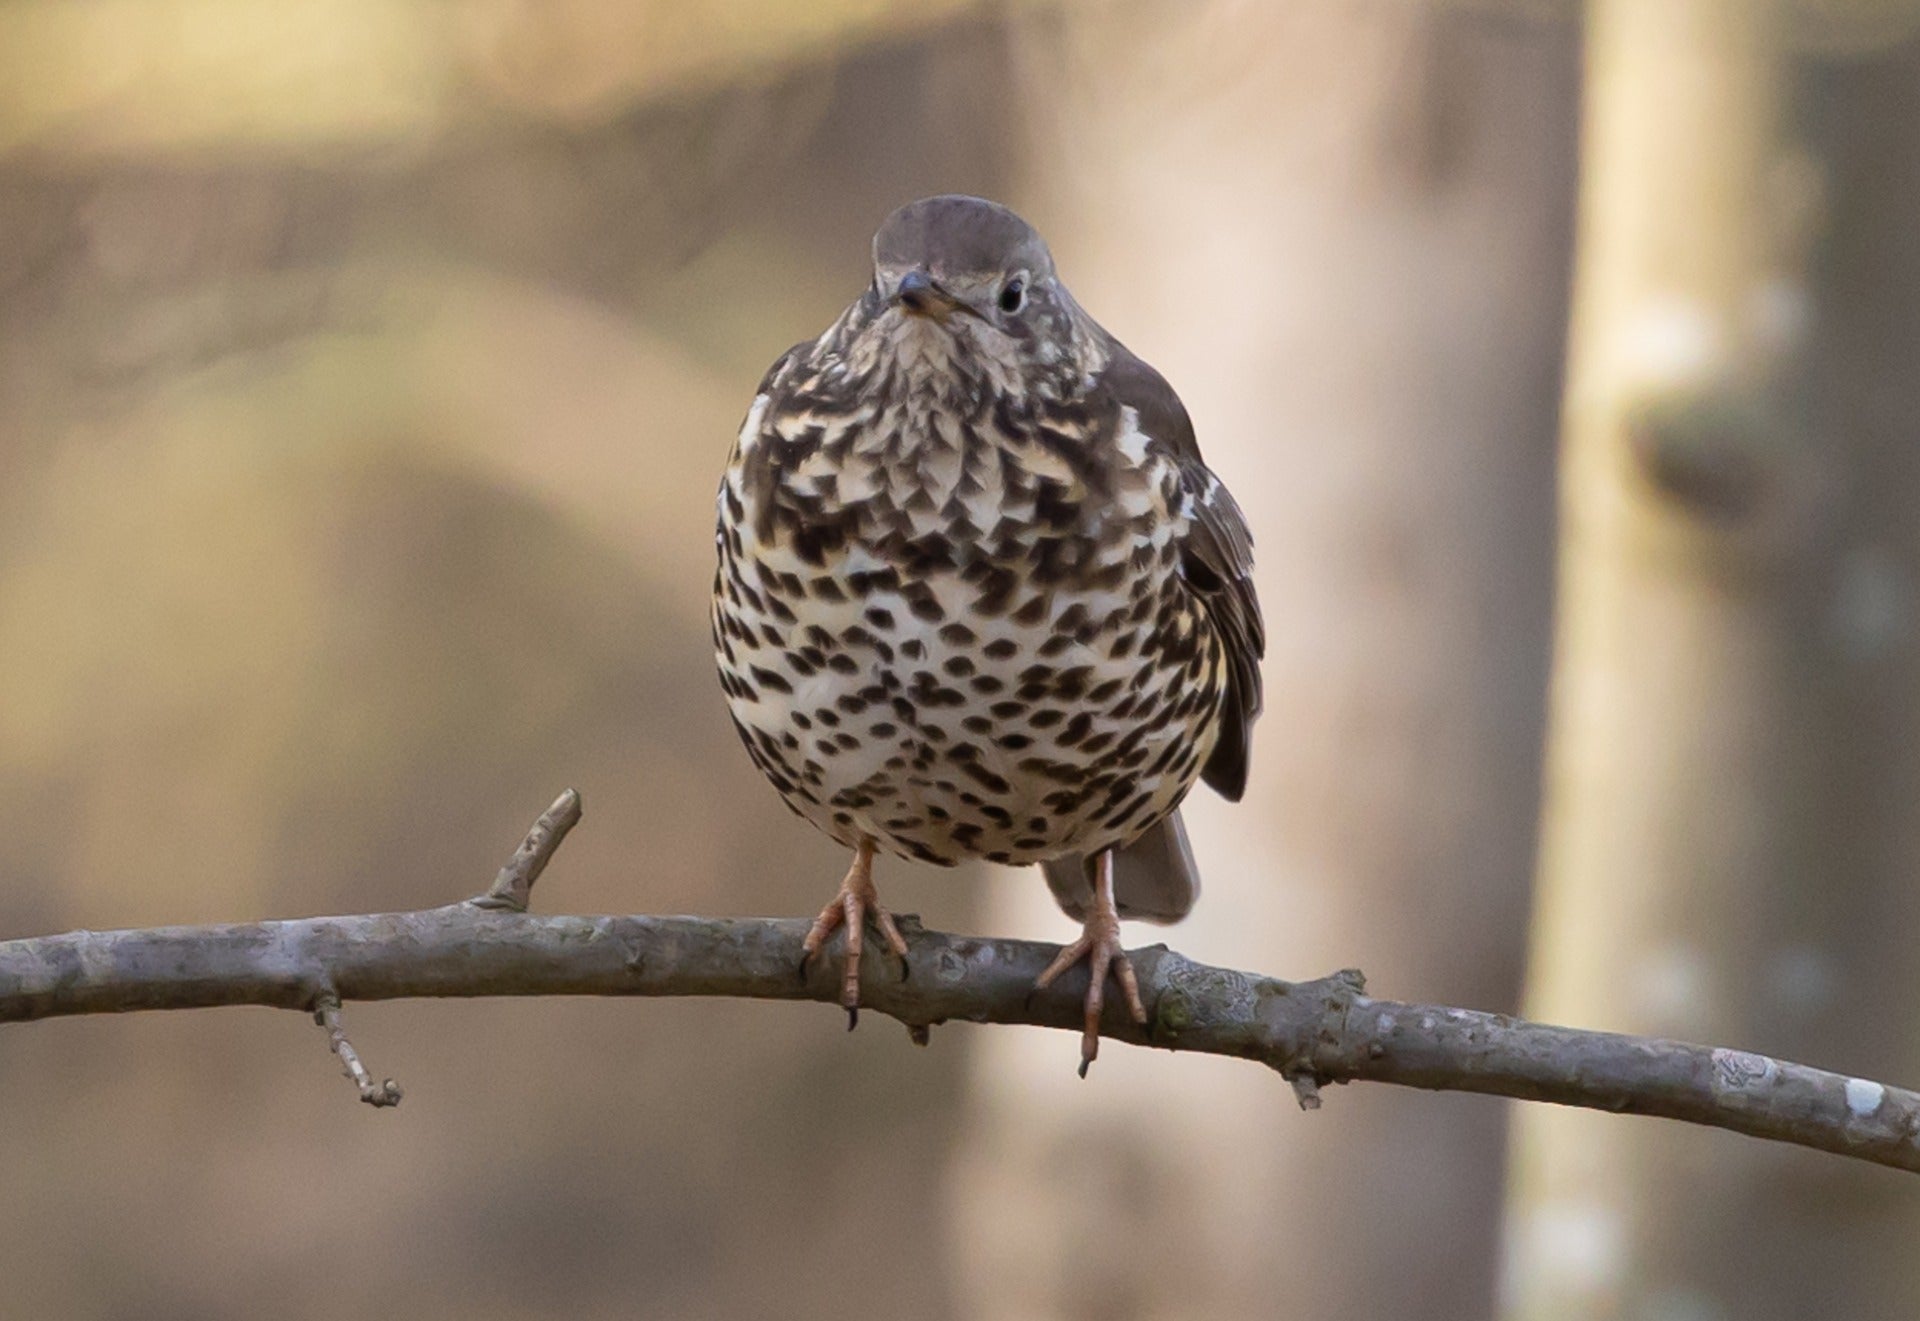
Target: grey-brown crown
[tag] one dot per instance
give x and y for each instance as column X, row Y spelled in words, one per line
column 954, row 237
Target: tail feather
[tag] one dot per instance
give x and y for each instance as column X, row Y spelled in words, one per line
column 1154, row 878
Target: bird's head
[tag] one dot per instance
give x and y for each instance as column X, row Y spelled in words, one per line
column 965, row 287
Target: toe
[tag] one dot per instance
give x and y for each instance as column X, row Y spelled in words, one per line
column 850, row 970
column 830, row 917
column 1065, row 959
column 1097, row 988
column 1096, row 1001
column 1130, row 985
column 890, row 931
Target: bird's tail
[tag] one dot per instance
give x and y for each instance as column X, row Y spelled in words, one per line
column 1154, row 878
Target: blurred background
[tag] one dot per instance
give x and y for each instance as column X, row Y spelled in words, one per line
column 366, row 370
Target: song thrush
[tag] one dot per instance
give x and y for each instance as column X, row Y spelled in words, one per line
column 979, row 597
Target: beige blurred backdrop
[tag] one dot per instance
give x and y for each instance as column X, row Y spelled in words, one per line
column 366, row 369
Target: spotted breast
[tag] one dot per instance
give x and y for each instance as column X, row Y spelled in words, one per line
column 953, row 621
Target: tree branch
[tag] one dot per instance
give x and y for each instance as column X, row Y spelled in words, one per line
column 1313, row 1033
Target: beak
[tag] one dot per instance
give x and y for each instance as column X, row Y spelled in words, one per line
column 919, row 295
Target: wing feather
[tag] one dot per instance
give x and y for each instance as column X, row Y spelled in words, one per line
column 1216, row 559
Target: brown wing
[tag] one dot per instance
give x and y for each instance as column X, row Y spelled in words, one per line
column 1216, row 560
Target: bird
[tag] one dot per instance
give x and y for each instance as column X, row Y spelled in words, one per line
column 978, row 596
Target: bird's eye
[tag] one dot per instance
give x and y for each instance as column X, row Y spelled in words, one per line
column 1013, row 295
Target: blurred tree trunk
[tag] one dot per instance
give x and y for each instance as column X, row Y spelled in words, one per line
column 1729, row 666
column 1341, row 231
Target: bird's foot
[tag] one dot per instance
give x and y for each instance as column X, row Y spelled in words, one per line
column 1099, row 945
column 851, row 906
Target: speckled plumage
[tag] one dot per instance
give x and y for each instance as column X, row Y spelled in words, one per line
column 978, row 596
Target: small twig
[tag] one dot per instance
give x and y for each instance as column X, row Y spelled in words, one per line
column 512, row 889
column 326, row 1012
